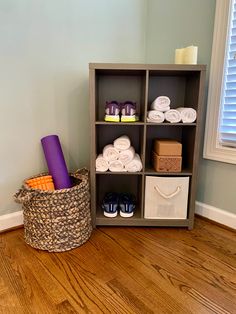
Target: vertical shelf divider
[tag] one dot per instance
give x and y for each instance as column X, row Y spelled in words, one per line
column 144, row 140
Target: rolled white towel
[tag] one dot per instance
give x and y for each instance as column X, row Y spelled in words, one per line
column 188, row 115
column 161, row 103
column 101, row 163
column 172, row 116
column 116, row 166
column 125, row 156
column 134, row 165
column 122, row 142
column 155, row 116
column 110, row 153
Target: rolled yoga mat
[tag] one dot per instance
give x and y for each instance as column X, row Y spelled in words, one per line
column 56, row 162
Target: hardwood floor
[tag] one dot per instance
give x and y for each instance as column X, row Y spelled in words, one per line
column 123, row 270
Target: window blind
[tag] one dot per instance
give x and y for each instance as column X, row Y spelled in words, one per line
column 227, row 130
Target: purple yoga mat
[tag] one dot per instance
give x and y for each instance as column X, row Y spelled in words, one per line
column 56, row 162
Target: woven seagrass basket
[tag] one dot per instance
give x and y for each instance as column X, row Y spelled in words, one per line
column 58, row 220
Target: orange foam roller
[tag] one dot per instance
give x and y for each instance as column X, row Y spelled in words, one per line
column 41, row 183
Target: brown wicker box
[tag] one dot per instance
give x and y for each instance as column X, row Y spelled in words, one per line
column 58, row 220
column 167, row 163
column 167, row 147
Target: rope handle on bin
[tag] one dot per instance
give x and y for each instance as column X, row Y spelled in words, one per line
column 23, row 195
column 168, row 196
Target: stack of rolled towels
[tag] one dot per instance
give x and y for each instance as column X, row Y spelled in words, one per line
column 119, row 157
column 161, row 111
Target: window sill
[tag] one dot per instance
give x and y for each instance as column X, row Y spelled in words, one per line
column 220, row 153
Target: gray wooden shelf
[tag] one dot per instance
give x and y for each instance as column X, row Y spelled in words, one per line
column 171, row 124
column 144, row 123
column 118, row 220
column 141, row 222
column 152, row 172
column 136, row 220
column 147, row 171
column 119, row 173
column 129, row 68
column 101, row 220
column 119, row 123
column 142, row 83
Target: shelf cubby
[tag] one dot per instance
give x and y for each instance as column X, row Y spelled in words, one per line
column 180, row 86
column 106, row 134
column 121, row 86
column 119, row 184
column 174, row 132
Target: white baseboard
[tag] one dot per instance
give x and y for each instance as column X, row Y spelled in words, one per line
column 11, row 220
column 216, row 214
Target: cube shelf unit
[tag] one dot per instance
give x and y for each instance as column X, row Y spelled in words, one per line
column 142, row 83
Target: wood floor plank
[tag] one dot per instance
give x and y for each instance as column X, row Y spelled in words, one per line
column 145, row 273
column 83, row 289
column 206, row 268
column 123, row 270
column 181, row 261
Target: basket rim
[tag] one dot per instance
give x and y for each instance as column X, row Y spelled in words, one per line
column 48, row 192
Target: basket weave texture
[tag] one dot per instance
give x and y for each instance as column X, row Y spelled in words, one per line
column 59, row 220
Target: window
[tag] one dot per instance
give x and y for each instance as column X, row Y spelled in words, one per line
column 220, row 134
column 228, row 104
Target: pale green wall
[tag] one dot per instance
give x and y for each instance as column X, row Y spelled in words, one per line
column 45, row 49
column 216, row 186
column 174, row 24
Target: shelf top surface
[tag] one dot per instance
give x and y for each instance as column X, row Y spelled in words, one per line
column 119, row 173
column 148, row 171
column 147, row 123
column 138, row 66
column 119, row 123
column 151, row 171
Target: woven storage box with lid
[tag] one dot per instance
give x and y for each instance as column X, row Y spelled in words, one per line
column 58, row 220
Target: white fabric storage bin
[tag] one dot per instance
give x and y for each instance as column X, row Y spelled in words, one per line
column 166, row 197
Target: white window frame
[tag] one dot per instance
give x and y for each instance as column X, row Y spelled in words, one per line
column 212, row 147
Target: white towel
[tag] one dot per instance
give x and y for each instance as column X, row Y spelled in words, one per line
column 155, row 116
column 172, row 116
column 125, row 156
column 116, row 166
column 122, row 142
column 101, row 163
column 188, row 115
column 161, row 103
column 134, row 165
column 110, row 153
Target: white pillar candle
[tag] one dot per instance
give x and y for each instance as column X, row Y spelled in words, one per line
column 179, row 54
column 190, row 55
